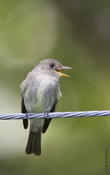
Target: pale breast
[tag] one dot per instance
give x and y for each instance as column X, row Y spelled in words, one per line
column 41, row 94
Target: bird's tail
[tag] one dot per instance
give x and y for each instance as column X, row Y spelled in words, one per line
column 34, row 143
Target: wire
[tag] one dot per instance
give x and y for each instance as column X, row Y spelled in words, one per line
column 104, row 113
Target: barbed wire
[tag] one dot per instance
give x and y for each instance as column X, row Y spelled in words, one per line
column 104, row 113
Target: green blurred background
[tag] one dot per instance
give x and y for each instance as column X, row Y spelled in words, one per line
column 77, row 33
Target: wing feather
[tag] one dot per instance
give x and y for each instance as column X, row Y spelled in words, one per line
column 47, row 121
column 23, row 110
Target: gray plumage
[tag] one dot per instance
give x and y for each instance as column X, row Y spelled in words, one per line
column 40, row 92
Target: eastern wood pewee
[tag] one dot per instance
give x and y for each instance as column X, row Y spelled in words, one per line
column 40, row 92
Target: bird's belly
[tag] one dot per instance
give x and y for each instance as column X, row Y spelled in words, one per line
column 40, row 99
column 43, row 101
column 37, row 107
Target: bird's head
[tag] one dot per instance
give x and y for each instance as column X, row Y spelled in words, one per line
column 52, row 67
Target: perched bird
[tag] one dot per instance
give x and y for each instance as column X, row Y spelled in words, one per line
column 40, row 92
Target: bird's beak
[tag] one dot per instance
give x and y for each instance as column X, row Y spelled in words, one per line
column 58, row 70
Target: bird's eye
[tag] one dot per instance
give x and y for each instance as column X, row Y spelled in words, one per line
column 52, row 65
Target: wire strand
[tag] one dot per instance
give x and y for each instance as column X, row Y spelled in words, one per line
column 104, row 113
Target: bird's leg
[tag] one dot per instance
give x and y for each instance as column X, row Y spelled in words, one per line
column 28, row 114
column 46, row 115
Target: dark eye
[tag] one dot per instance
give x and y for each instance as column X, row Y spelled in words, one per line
column 52, row 65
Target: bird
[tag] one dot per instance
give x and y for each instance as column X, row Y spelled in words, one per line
column 40, row 92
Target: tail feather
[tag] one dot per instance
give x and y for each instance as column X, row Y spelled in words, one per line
column 34, row 143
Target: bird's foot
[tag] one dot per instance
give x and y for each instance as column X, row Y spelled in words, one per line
column 46, row 115
column 28, row 114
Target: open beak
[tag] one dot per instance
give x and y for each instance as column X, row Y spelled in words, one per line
column 59, row 69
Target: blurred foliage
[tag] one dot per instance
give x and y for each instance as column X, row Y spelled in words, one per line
column 77, row 33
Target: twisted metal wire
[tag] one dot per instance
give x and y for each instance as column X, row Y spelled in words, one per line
column 56, row 115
